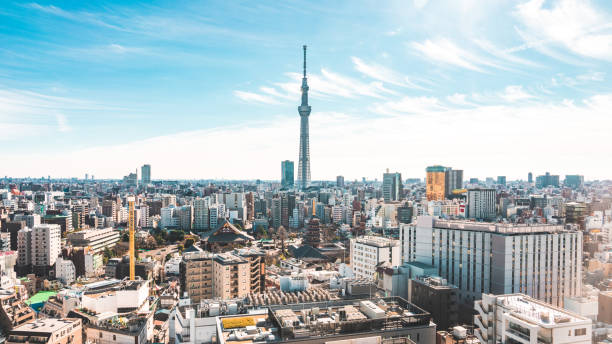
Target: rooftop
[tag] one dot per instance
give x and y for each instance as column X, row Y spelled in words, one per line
column 48, row 325
column 537, row 312
column 377, row 241
column 503, row 228
column 333, row 319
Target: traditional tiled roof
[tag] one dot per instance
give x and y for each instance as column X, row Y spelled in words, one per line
column 226, row 233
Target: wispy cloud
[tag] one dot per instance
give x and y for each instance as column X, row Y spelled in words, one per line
column 34, row 112
column 384, row 74
column 325, row 84
column 255, row 97
column 408, row 105
column 444, row 51
column 574, row 25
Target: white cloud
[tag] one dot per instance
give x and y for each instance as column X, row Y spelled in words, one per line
column 458, row 99
column 515, row 93
column 323, row 85
column 384, row 74
column 574, row 25
column 340, row 143
column 445, row 51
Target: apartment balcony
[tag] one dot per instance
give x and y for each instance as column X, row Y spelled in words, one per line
column 478, row 322
column 482, row 337
column 484, row 315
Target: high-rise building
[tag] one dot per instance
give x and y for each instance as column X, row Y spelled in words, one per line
column 340, row 181
column 575, row 181
column 24, row 247
column 501, row 180
column 392, row 188
column 276, row 212
column 46, row 246
column 200, row 213
column 304, row 110
column 436, row 183
column 287, row 174
column 145, row 172
column 530, row 177
column 481, row 204
column 542, row 261
column 547, row 180
column 453, row 180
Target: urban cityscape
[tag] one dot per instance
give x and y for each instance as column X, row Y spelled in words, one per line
column 443, row 252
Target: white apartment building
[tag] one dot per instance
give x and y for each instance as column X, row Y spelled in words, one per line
column 46, row 244
column 65, row 271
column 24, row 246
column 337, row 213
column 369, row 251
column 518, row 318
column 481, row 203
column 542, row 261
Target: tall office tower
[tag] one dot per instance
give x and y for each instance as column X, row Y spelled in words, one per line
column 501, row 180
column 145, row 172
column 340, row 181
column 530, row 177
column 542, row 261
column 436, row 182
column 453, row 181
column 547, row 180
column 46, row 245
column 284, row 210
column 275, row 210
column 304, row 110
column 481, row 204
column 392, row 186
column 287, row 174
column 575, row 181
column 200, row 213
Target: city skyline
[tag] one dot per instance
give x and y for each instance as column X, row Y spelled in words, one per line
column 166, row 83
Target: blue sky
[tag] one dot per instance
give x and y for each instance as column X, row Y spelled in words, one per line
column 210, row 89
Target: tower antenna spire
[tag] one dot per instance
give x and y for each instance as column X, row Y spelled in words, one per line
column 304, row 61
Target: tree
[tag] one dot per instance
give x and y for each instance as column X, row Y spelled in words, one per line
column 175, row 236
column 189, row 242
column 108, row 254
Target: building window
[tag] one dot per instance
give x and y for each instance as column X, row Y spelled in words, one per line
column 580, row 332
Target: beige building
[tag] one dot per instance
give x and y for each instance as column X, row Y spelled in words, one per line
column 196, row 272
column 231, row 276
column 205, row 275
column 49, row 331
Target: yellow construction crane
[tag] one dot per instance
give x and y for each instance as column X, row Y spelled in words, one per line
column 131, row 226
